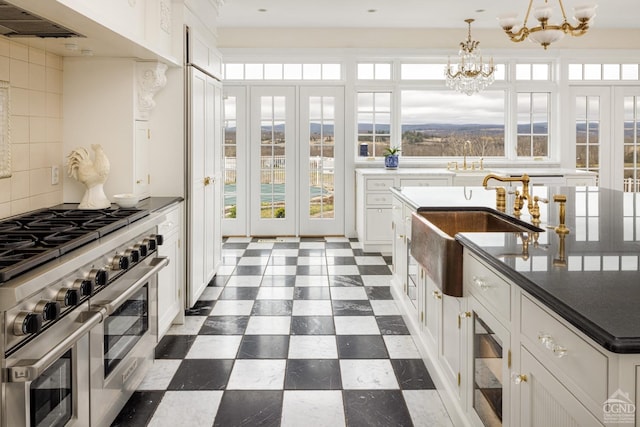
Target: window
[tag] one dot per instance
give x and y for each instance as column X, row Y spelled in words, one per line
column 259, row 71
column 379, row 71
column 374, row 123
column 229, row 151
column 588, row 133
column 533, row 72
column 603, row 72
column 438, row 123
column 533, row 124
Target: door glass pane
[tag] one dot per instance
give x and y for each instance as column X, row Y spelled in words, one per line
column 229, row 153
column 588, row 133
column 321, row 156
column 487, row 373
column 272, row 157
column 630, row 142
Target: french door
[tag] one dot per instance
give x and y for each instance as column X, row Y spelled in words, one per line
column 606, row 134
column 321, row 161
column 272, row 147
column 296, row 158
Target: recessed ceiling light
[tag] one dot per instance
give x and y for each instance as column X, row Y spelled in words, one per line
column 479, row 10
column 372, row 10
column 262, row 10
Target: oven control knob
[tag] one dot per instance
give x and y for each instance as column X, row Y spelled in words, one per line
column 159, row 238
column 68, row 297
column 119, row 262
column 27, row 323
column 50, row 310
column 142, row 248
column 99, row 277
column 151, row 243
column 84, row 286
column 133, row 255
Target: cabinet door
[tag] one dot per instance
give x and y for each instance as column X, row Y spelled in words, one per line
column 169, row 282
column 142, row 152
column 379, row 225
column 203, row 209
column 488, row 357
column 450, row 339
column 398, row 252
column 544, row 401
column 433, row 310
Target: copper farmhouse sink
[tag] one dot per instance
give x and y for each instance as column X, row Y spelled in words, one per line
column 434, row 246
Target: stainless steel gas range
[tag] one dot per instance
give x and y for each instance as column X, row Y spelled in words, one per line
column 78, row 301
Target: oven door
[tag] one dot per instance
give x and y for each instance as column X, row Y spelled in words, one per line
column 122, row 348
column 46, row 382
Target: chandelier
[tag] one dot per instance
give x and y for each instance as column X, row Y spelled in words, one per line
column 546, row 33
column 470, row 74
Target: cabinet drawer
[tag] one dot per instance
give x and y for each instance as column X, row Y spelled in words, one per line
column 174, row 218
column 569, row 354
column 424, row 182
column 379, row 199
column 488, row 287
column 379, row 184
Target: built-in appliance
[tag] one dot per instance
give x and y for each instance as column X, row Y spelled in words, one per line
column 59, row 271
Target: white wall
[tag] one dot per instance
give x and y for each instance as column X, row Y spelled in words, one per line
column 35, row 125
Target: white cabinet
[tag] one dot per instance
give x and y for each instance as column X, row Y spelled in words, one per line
column 374, row 202
column 545, row 401
column 451, row 341
column 171, row 278
column 142, row 153
column 204, row 243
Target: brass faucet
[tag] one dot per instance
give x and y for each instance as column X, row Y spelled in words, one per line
column 501, row 203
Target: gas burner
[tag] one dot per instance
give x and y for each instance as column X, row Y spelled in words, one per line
column 55, row 232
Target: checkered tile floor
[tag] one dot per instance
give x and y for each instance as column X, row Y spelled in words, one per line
column 291, row 332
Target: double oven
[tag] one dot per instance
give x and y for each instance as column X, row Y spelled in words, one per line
column 79, row 326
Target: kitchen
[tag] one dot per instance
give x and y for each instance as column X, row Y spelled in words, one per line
column 49, row 117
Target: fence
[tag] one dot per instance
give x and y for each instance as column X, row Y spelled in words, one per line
column 273, row 170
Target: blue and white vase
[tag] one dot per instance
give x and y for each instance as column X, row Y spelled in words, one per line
column 391, row 161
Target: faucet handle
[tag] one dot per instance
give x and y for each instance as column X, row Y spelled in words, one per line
column 561, row 199
column 535, row 210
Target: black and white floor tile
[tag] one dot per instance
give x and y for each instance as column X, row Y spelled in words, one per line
column 291, row 332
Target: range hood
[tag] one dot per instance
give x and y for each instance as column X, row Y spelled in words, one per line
column 16, row 22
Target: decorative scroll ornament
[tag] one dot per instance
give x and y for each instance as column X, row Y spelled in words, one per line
column 165, row 17
column 5, row 135
column 151, row 78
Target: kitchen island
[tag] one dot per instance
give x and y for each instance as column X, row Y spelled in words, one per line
column 548, row 327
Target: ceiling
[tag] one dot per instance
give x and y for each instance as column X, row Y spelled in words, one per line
column 403, row 13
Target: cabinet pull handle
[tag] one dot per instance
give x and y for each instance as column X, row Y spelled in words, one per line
column 401, row 236
column 551, row 345
column 518, row 378
column 479, row 282
column 436, row 295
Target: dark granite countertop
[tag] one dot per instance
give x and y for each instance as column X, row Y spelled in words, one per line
column 594, row 285
column 152, row 204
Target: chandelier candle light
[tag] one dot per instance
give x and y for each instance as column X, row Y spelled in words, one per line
column 470, row 75
column 546, row 33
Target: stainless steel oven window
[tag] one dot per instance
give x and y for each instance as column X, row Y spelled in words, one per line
column 125, row 327
column 51, row 394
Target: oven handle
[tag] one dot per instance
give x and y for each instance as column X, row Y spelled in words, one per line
column 154, row 267
column 26, row 373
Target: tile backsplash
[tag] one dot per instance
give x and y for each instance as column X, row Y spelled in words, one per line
column 35, row 123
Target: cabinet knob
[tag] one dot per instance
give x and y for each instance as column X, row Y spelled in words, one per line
column 139, row 181
column 480, row 283
column 436, row 295
column 207, row 180
column 551, row 345
column 518, row 378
